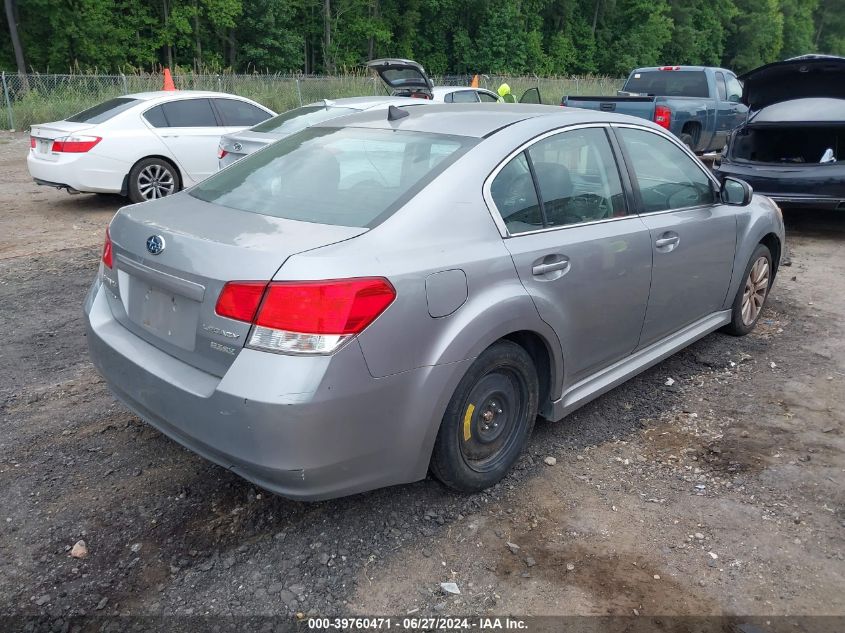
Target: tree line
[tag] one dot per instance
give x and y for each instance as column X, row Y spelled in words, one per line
column 543, row 37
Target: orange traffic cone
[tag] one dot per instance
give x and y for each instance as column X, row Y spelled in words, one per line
column 168, row 81
column 474, row 83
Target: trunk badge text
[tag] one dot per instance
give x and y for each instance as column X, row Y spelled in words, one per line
column 155, row 244
column 223, row 348
column 219, row 331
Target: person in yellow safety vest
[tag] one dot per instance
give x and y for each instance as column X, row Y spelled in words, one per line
column 505, row 94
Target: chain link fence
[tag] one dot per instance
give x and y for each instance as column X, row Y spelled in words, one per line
column 36, row 98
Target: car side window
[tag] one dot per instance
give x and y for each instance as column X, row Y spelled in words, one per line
column 734, row 89
column 516, row 200
column 189, row 113
column 155, row 117
column 464, row 96
column 240, row 113
column 721, row 87
column 578, row 177
column 667, row 177
column 486, row 97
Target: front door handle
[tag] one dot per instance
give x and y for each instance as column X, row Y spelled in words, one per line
column 543, row 269
column 667, row 241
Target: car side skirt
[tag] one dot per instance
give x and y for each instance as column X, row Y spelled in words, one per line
column 610, row 377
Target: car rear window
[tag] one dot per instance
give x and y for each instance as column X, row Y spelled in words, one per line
column 300, row 118
column 104, row 111
column 353, row 177
column 669, row 83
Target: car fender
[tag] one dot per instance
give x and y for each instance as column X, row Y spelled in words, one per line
column 754, row 222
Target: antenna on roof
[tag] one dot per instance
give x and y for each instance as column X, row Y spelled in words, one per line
column 394, row 113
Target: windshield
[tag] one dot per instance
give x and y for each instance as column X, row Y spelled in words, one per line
column 669, row 83
column 104, row 111
column 353, row 177
column 300, row 118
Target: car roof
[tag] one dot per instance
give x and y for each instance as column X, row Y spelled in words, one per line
column 476, row 119
column 178, row 94
column 362, row 103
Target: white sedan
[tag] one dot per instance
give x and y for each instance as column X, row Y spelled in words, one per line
column 146, row 145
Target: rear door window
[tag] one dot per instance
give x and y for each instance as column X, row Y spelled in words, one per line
column 666, row 176
column 734, row 89
column 343, row 176
column 516, row 199
column 238, row 113
column 189, row 113
column 486, row 97
column 104, row 111
column 155, row 117
column 578, row 178
column 721, row 86
column 462, row 96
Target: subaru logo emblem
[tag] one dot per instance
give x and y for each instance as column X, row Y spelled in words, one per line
column 155, row 244
column 237, row 147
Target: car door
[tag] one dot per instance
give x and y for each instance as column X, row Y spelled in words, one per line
column 584, row 260
column 485, row 96
column 693, row 236
column 192, row 134
column 725, row 112
column 532, row 95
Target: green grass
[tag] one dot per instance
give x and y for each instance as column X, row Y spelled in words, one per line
column 46, row 98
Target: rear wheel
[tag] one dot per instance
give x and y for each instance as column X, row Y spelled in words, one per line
column 687, row 140
column 489, row 419
column 752, row 293
column 153, row 178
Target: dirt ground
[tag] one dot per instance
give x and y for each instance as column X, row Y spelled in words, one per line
column 719, row 491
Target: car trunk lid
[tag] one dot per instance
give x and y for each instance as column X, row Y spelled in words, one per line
column 402, row 75
column 45, row 133
column 798, row 78
column 169, row 298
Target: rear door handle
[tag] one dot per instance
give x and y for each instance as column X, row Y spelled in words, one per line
column 542, row 269
column 666, row 241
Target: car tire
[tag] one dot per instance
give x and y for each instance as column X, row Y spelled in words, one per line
column 687, row 140
column 752, row 293
column 488, row 420
column 153, row 178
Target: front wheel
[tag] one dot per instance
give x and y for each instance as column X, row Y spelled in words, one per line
column 153, row 178
column 752, row 293
column 489, row 419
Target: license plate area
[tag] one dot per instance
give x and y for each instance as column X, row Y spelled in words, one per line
column 164, row 314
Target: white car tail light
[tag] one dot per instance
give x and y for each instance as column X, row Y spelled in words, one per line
column 307, row 317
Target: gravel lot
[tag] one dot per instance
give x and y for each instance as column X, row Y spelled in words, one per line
column 719, row 491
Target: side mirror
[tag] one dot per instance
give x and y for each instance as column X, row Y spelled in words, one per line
column 736, row 192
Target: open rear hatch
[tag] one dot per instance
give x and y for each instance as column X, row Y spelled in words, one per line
column 799, row 78
column 403, row 77
column 171, row 258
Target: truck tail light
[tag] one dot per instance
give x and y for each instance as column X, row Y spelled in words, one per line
column 305, row 317
column 74, row 144
column 670, row 68
column 663, row 116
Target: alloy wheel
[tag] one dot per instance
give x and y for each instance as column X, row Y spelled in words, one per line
column 156, row 181
column 756, row 288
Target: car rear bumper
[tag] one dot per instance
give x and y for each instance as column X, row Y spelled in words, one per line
column 79, row 172
column 793, row 186
column 346, row 432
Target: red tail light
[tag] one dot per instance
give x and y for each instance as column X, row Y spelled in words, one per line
column 221, row 153
column 670, row 68
column 107, row 251
column 239, row 299
column 32, row 142
column 75, row 144
column 663, row 116
column 306, row 316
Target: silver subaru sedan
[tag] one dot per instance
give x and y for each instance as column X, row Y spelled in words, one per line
column 396, row 292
